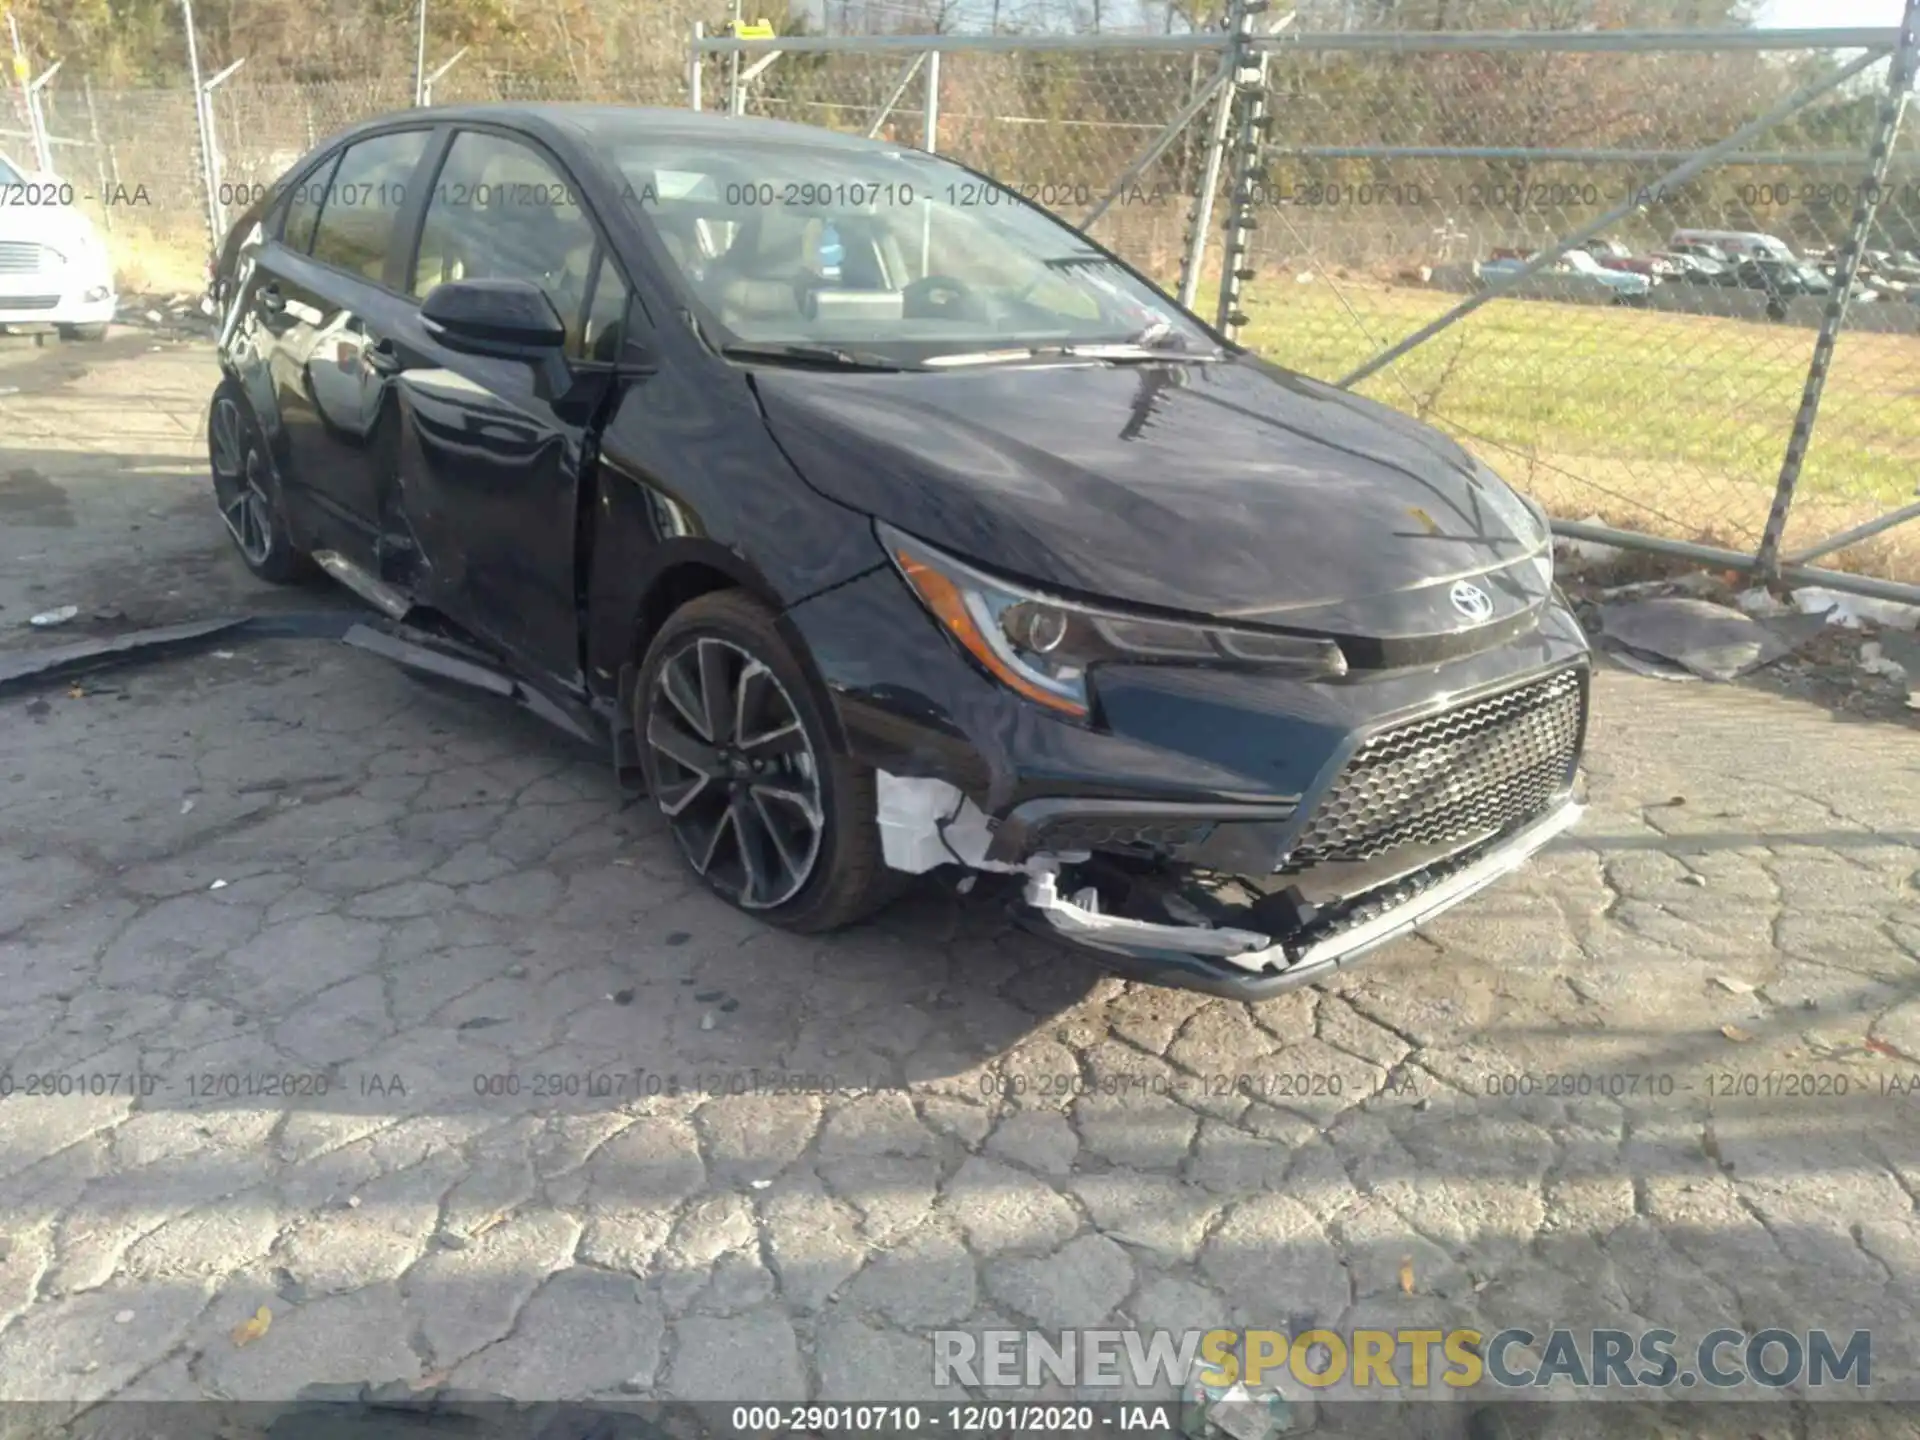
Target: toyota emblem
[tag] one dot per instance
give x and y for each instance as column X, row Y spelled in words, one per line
column 1471, row 601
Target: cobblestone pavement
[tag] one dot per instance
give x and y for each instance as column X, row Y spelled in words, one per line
column 474, row 981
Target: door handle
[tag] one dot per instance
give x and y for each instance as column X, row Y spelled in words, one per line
column 269, row 298
column 383, row 358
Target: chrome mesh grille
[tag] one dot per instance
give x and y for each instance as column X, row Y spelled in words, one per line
column 28, row 302
column 23, row 257
column 1454, row 776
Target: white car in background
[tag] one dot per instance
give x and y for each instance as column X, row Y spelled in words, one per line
column 54, row 270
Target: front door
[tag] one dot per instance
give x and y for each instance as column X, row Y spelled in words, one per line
column 490, row 458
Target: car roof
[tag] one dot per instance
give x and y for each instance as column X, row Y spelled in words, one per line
column 577, row 122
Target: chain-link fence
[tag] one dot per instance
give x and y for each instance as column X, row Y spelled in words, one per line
column 1629, row 381
column 1607, row 261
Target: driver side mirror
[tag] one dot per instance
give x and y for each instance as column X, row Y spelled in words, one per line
column 507, row 319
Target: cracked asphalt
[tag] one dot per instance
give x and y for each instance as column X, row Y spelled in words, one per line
column 331, row 993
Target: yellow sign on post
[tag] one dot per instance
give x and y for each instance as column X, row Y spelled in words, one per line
column 21, row 69
column 753, row 30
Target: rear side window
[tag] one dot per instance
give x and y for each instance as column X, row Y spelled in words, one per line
column 303, row 205
column 361, row 205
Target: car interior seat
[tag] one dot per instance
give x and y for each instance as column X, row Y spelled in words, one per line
column 765, row 274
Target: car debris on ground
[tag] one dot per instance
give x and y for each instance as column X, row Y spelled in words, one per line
column 1852, row 652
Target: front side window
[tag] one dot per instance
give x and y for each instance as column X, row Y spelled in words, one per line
column 361, row 205
column 877, row 248
column 500, row 211
column 303, row 206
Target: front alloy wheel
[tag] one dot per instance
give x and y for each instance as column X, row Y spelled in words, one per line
column 738, row 780
column 740, row 760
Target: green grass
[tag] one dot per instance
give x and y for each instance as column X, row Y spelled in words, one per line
column 1670, row 422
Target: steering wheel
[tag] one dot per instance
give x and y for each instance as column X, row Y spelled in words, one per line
column 941, row 297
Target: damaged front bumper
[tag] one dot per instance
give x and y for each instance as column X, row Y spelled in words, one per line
column 1249, row 965
column 926, row 823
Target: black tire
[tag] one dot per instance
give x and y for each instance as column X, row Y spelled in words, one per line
column 845, row 877
column 246, row 490
column 88, row 333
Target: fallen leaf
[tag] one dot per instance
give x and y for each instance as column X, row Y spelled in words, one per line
column 248, row 1331
column 1881, row 1047
column 74, row 692
column 1736, row 1034
column 1406, row 1274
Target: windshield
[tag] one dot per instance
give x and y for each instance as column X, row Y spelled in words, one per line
column 883, row 251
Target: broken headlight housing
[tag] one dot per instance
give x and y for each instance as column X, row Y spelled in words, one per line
column 1041, row 646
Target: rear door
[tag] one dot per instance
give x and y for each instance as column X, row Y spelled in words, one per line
column 318, row 295
column 490, row 459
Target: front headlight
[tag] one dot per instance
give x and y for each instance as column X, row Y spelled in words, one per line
column 1041, row 646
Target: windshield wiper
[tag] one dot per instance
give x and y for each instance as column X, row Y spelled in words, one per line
column 824, row 357
column 1117, row 352
column 1082, row 260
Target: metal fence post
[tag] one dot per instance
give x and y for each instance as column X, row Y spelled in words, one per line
column 736, row 92
column 930, row 128
column 23, row 72
column 106, row 173
column 1250, row 84
column 693, row 65
column 420, row 56
column 1901, row 70
column 215, row 176
column 433, row 76
column 1200, row 222
column 37, row 117
column 203, row 121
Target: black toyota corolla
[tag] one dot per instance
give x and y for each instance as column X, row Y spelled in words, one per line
column 877, row 522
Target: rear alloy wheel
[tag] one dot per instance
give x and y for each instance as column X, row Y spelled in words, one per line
column 739, row 761
column 246, row 491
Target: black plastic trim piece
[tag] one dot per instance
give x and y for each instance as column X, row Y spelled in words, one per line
column 1012, row 839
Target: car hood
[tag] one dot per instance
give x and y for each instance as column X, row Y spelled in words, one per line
column 60, row 226
column 1232, row 489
